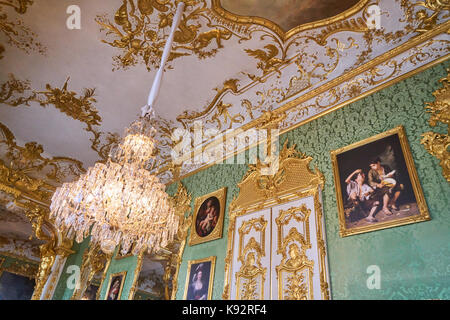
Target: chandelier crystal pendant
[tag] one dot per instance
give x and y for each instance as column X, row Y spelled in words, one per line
column 120, row 201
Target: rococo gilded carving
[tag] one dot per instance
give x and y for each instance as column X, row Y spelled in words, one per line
column 140, row 29
column 25, row 170
column 15, row 92
column 16, row 32
column 438, row 144
column 295, row 271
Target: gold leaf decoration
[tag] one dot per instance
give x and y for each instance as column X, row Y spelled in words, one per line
column 141, row 31
column 438, row 144
column 16, row 33
column 15, row 93
column 296, row 287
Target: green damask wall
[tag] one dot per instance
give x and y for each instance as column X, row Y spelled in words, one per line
column 62, row 291
column 414, row 259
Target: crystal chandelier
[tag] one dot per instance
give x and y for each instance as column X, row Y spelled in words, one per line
column 120, row 201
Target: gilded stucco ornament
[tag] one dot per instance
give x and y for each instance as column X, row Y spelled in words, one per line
column 17, row 34
column 251, row 276
column 78, row 106
column 29, row 178
column 294, row 265
column 427, row 21
column 24, row 170
column 438, row 144
column 140, row 29
column 55, row 243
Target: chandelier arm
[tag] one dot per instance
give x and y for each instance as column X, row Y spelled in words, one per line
column 148, row 109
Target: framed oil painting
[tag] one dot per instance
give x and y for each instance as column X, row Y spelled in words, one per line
column 207, row 223
column 199, row 279
column 377, row 185
column 115, row 286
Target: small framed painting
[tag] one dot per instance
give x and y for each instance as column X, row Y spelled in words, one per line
column 207, row 223
column 377, row 185
column 115, row 285
column 199, row 279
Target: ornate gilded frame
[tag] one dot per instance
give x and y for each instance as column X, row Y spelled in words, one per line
column 418, row 193
column 211, row 259
column 111, row 276
column 216, row 233
column 284, row 35
column 293, row 180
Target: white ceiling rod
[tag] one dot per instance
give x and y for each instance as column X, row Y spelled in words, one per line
column 148, row 109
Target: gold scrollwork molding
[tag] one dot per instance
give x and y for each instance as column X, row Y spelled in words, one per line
column 78, row 106
column 140, row 29
column 284, row 36
column 55, row 244
column 438, row 144
column 25, row 172
column 17, row 34
column 293, row 174
column 426, row 20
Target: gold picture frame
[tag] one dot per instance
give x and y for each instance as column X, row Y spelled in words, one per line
column 377, row 207
column 207, row 267
column 206, row 225
column 120, row 275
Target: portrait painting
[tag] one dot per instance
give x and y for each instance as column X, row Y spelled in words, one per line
column 377, row 185
column 207, row 223
column 115, row 286
column 199, row 279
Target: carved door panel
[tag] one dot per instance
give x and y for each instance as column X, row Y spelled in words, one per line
column 296, row 260
column 251, row 259
column 279, row 253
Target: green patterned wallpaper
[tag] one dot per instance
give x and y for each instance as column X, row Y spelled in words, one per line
column 62, row 291
column 414, row 259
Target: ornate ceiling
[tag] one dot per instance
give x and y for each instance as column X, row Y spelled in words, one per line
column 286, row 14
column 67, row 94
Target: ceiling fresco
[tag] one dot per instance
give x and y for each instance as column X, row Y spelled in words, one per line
column 66, row 95
column 288, row 14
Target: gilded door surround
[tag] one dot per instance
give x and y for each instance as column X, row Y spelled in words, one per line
column 298, row 181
